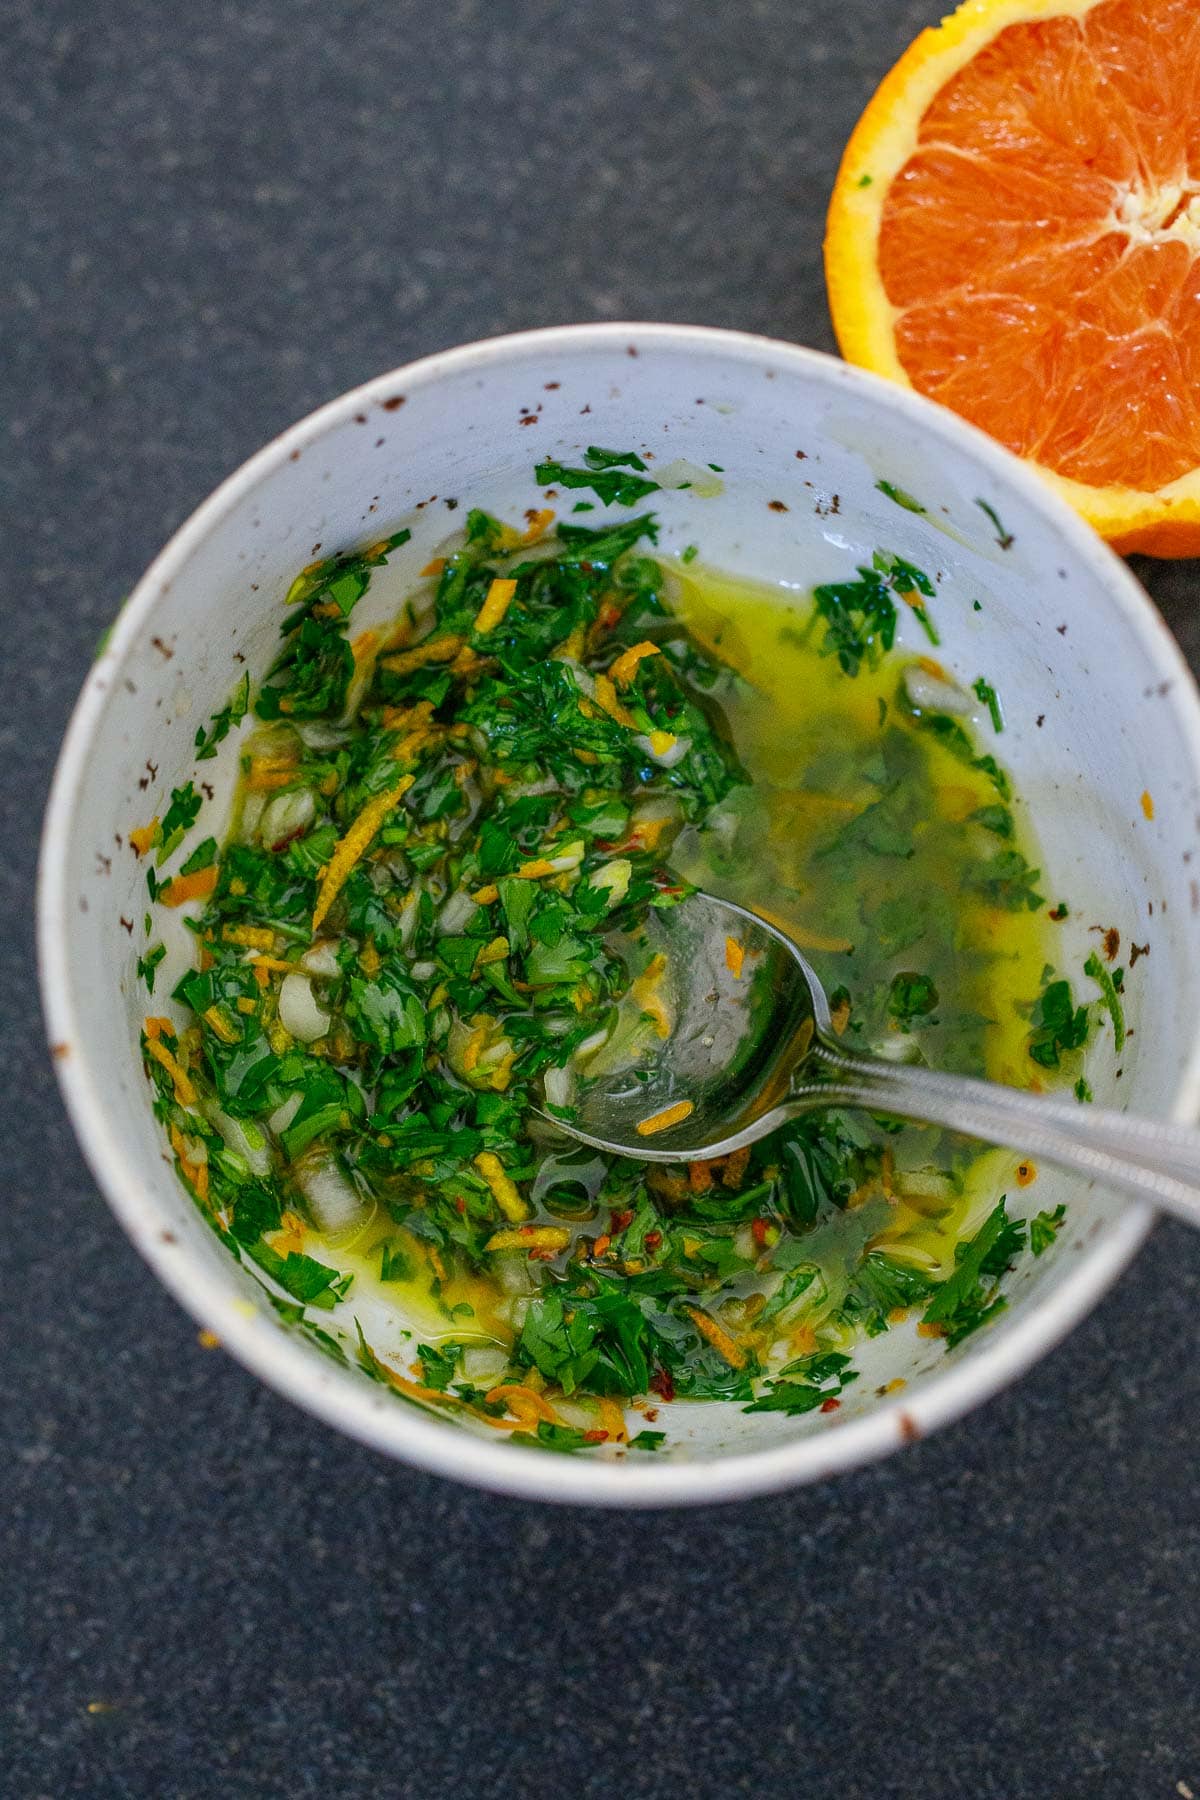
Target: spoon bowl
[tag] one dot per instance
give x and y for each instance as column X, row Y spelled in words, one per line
column 751, row 1045
column 747, row 1009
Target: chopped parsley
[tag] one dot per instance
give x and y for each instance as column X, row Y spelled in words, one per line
column 607, row 474
column 1109, row 983
column 860, row 616
column 860, row 619
column 911, row 997
column 986, row 694
column 809, row 1382
column 147, row 965
column 1058, row 1026
column 410, row 942
column 223, row 721
column 1004, row 538
column 898, row 494
column 1044, row 1228
column 970, row 1297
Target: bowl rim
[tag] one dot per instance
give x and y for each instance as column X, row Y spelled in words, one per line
column 340, row 1398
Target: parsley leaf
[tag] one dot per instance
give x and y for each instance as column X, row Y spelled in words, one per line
column 224, row 720
column 1044, row 1228
column 438, row 1364
column 1006, row 880
column 1107, row 984
column 806, row 1384
column 987, row 695
column 898, row 494
column 1058, row 1025
column 968, row 1298
column 911, row 996
column 147, row 965
column 611, row 486
column 860, row 619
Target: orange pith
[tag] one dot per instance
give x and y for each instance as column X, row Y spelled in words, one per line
column 1015, row 231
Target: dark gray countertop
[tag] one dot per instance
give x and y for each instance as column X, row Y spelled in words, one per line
column 217, row 217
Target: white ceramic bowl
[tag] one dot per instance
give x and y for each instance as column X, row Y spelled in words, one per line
column 1100, row 709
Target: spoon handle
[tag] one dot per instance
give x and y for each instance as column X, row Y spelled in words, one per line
column 1147, row 1158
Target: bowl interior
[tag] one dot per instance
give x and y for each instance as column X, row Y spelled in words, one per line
column 1100, row 714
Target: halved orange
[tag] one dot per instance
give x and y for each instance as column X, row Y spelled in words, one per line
column 1015, row 231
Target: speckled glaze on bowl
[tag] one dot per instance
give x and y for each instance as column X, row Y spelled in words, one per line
column 1100, row 706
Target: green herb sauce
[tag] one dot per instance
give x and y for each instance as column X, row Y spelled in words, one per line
column 407, row 936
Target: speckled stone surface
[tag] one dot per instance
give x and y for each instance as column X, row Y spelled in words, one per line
column 216, row 217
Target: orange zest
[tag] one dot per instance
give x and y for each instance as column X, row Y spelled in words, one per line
column 221, row 1026
column 539, row 524
column 503, row 1188
column 530, row 1237
column 625, row 667
column 195, row 1173
column 526, row 1407
column 662, row 1121
column 434, row 650
column 644, row 992
column 717, row 1336
column 1015, row 231
column 250, row 937
column 496, row 603
column 267, row 772
column 349, row 848
column 606, row 700
column 415, row 1390
column 613, row 1420
column 197, row 886
column 185, row 1093
column 363, row 648
column 142, row 836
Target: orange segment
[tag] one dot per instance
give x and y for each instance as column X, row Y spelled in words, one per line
column 1015, row 231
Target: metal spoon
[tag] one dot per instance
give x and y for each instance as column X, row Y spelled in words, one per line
column 752, row 1046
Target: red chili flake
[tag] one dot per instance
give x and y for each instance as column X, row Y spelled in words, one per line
column 651, row 1413
column 830, row 1405
column 653, row 1239
column 620, row 1220
column 609, row 614
column 460, row 1205
column 1110, row 940
column 1136, row 950
column 661, row 1383
column 283, row 842
column 1058, row 912
column 595, row 1437
column 758, row 1231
